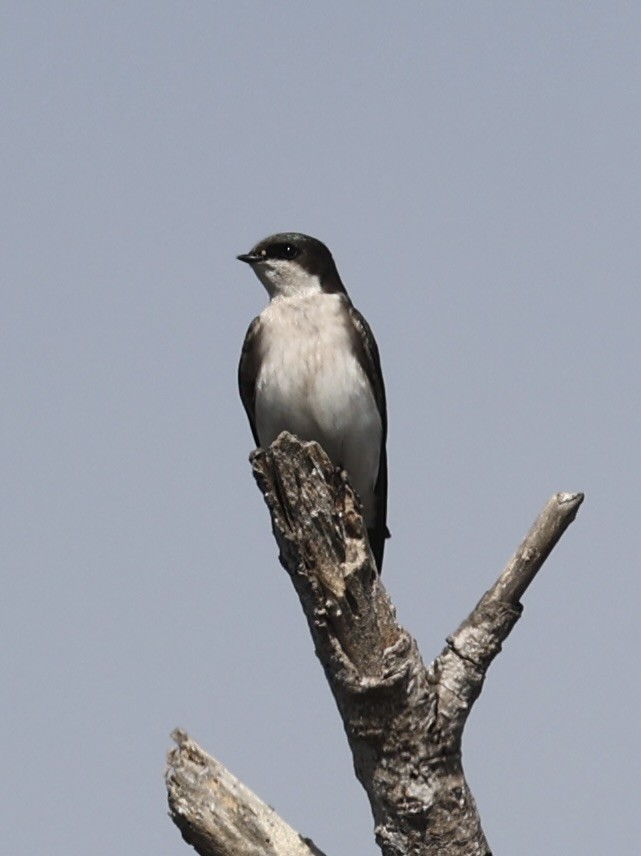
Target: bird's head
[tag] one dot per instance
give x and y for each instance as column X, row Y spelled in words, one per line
column 290, row 264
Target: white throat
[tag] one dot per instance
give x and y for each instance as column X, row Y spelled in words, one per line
column 284, row 278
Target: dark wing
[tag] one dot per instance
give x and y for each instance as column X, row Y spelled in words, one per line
column 366, row 351
column 247, row 373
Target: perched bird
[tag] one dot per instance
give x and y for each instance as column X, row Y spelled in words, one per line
column 310, row 366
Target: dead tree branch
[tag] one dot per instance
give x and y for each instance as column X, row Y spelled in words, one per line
column 404, row 722
column 218, row 815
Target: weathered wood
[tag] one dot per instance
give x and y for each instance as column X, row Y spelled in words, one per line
column 404, row 722
column 218, row 815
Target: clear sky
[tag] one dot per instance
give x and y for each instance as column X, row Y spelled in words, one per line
column 476, row 170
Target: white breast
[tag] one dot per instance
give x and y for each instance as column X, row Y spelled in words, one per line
column 311, row 384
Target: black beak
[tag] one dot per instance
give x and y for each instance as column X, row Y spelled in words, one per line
column 248, row 257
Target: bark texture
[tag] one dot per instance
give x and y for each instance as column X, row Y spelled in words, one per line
column 404, row 721
column 218, row 815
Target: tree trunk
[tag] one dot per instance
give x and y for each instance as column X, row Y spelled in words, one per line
column 404, row 722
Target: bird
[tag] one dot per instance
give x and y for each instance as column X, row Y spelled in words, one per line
column 310, row 365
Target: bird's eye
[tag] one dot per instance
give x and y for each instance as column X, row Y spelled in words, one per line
column 282, row 251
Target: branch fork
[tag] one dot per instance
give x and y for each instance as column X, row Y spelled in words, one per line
column 404, row 721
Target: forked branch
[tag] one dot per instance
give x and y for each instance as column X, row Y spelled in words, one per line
column 404, row 722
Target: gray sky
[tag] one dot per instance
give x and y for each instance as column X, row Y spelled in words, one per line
column 476, row 170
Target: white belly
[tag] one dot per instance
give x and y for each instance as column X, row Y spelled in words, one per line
column 311, row 385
